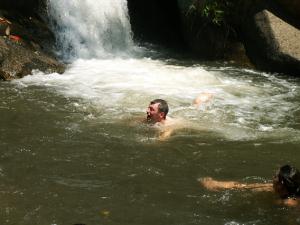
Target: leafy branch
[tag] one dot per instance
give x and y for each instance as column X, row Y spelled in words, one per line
column 216, row 11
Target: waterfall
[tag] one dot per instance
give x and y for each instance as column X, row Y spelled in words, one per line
column 89, row 28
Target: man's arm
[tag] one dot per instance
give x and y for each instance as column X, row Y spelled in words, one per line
column 215, row 185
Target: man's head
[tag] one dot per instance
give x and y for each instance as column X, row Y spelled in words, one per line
column 287, row 182
column 157, row 110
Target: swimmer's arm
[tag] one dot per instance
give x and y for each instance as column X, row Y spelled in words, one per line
column 215, row 185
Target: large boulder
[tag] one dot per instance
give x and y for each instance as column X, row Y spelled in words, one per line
column 271, row 43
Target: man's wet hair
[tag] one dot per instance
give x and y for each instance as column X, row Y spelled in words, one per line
column 162, row 107
column 289, row 177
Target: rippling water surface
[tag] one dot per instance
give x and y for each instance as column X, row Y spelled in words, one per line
column 73, row 149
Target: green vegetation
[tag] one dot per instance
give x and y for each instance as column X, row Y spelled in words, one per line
column 215, row 11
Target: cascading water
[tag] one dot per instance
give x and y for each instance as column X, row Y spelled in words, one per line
column 91, row 29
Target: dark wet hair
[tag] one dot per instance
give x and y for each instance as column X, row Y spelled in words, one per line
column 289, row 177
column 162, row 107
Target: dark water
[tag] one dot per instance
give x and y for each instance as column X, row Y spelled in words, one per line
column 60, row 166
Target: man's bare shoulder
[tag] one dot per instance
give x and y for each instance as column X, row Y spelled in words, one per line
column 169, row 122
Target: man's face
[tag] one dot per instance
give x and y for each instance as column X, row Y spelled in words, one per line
column 153, row 114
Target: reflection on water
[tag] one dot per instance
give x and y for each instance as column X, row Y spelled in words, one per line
column 72, row 150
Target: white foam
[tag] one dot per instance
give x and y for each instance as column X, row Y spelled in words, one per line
column 116, row 78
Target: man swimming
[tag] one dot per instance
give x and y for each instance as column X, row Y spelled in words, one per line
column 157, row 111
column 157, row 116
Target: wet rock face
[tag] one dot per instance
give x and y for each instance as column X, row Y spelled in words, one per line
column 30, row 28
column 26, row 42
column 18, row 59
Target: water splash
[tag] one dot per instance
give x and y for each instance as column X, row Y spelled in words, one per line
column 245, row 106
